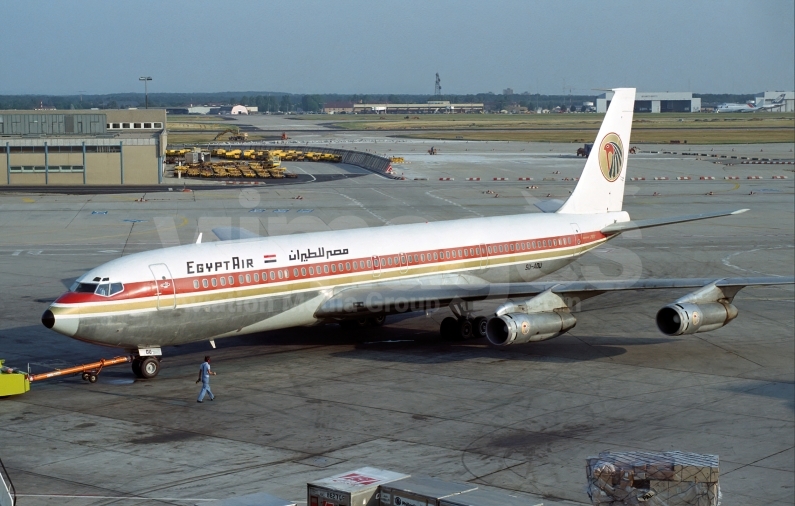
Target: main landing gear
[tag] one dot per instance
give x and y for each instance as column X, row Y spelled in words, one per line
column 464, row 326
column 145, row 367
column 371, row 321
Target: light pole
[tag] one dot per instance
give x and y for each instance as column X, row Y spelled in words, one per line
column 146, row 91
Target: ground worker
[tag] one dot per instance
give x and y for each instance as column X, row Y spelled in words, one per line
column 204, row 377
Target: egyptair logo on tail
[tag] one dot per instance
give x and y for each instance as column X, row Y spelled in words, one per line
column 611, row 157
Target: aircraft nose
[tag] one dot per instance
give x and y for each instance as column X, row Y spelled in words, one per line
column 62, row 325
column 48, row 319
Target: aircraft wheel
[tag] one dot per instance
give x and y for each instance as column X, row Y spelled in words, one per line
column 465, row 330
column 150, row 366
column 377, row 321
column 136, row 368
column 92, row 378
column 449, row 329
column 479, row 327
column 85, row 376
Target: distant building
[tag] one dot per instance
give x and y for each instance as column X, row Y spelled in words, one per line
column 430, row 107
column 767, row 98
column 238, row 109
column 338, row 108
column 108, row 147
column 665, row 101
column 507, row 91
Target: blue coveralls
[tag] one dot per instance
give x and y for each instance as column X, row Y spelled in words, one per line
column 205, row 372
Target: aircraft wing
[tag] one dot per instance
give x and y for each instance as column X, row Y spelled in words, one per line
column 233, row 233
column 401, row 297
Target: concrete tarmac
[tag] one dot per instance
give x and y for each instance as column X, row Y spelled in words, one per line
column 301, row 404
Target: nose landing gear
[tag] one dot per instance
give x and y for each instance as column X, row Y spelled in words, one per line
column 146, row 367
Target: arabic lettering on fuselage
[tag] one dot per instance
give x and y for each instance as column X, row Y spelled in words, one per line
column 320, row 253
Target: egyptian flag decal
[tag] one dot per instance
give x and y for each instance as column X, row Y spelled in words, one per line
column 269, row 258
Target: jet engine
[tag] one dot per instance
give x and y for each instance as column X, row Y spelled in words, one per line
column 520, row 328
column 688, row 318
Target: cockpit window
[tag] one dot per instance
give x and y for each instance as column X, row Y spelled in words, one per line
column 108, row 289
column 85, row 288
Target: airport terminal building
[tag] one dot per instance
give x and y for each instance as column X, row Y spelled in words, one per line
column 95, row 147
column 665, row 101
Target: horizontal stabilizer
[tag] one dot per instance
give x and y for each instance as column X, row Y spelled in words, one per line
column 549, row 206
column 615, row 228
column 233, row 233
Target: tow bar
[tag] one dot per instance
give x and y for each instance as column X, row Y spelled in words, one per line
column 89, row 371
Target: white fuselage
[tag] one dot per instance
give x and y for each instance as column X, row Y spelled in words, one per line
column 205, row 291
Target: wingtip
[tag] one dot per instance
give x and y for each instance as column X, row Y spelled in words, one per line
column 740, row 211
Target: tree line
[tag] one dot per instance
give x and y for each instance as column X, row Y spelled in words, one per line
column 275, row 102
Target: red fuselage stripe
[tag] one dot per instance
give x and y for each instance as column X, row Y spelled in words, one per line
column 405, row 260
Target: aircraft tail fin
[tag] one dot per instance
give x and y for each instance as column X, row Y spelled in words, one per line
column 601, row 185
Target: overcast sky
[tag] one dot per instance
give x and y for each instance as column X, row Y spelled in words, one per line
column 396, row 46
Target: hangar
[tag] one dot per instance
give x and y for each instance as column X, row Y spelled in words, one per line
column 666, row 101
column 93, row 147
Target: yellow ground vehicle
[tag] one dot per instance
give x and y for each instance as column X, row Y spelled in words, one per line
column 237, row 135
column 219, row 152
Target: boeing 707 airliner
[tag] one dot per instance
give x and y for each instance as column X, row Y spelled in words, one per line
column 207, row 291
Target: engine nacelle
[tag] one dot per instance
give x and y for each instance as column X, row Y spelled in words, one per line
column 687, row 318
column 519, row 328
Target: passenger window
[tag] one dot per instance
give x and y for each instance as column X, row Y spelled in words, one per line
column 273, row 275
column 214, row 282
column 500, row 248
column 295, row 272
column 333, row 268
column 511, row 247
column 311, row 271
column 459, row 253
column 325, row 268
column 286, row 274
column 231, row 280
column 281, row 276
column 248, row 278
column 533, row 245
column 453, row 253
column 522, row 246
column 447, row 254
column 240, row 279
column 347, row 266
column 356, row 266
column 103, row 289
column 389, row 261
column 204, row 283
column 489, row 249
column 545, row 244
column 339, row 266
column 303, row 271
column 116, row 288
column 223, row 281
column 256, row 277
column 369, row 264
column 422, row 257
column 195, row 283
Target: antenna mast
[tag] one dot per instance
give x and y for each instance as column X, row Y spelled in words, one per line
column 437, row 90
